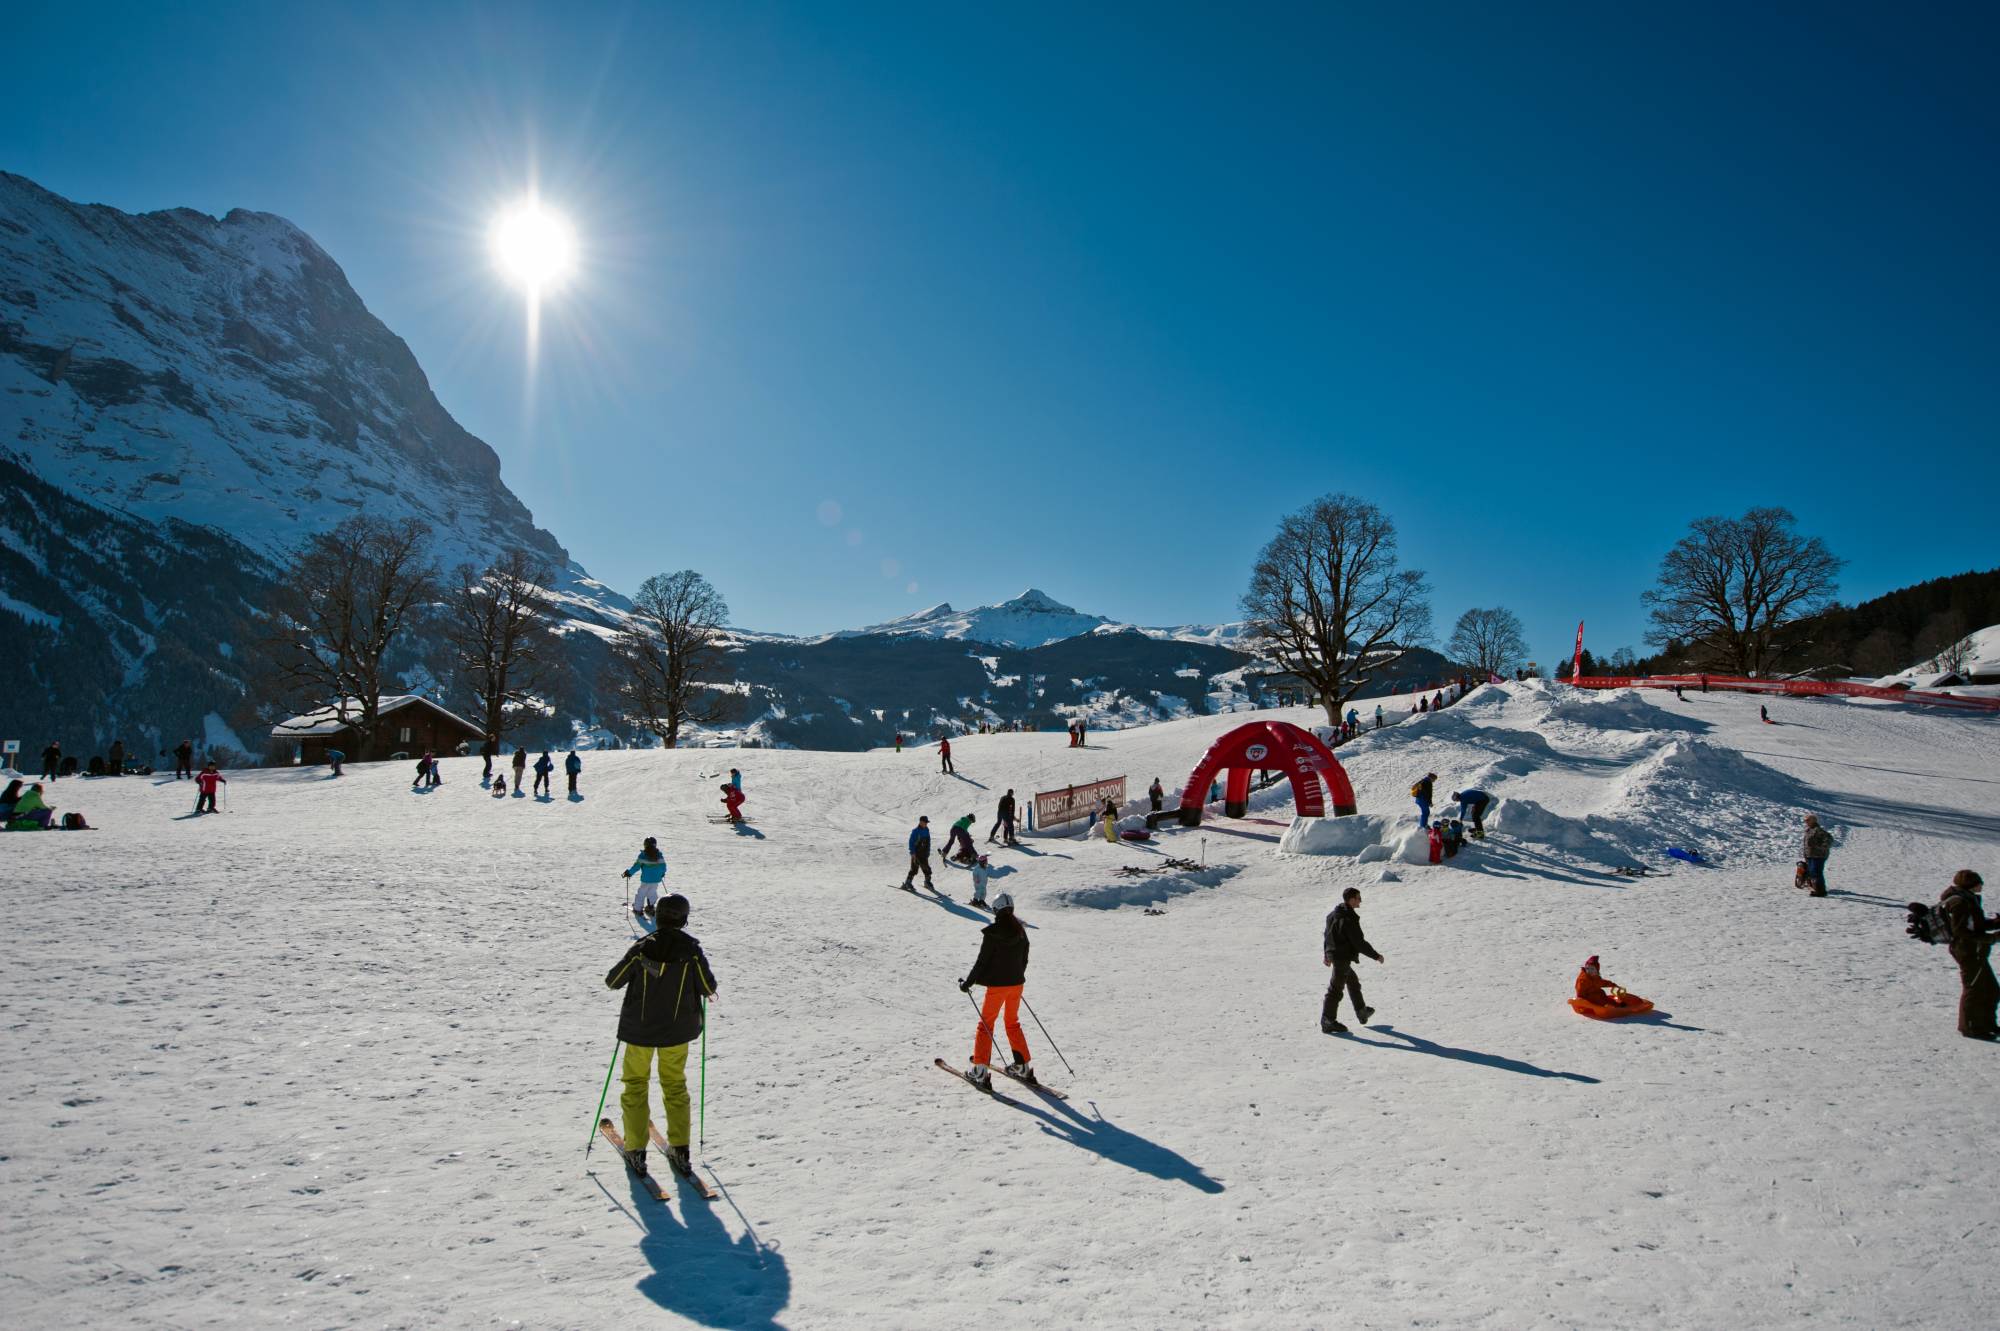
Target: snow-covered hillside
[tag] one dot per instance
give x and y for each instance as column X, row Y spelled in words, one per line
column 331, row 1058
column 1982, row 662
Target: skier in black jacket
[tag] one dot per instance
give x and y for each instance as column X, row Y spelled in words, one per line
column 1003, row 822
column 1343, row 945
column 1003, row 968
column 665, row 977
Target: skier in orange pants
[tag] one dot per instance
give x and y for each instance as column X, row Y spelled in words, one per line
column 1003, row 968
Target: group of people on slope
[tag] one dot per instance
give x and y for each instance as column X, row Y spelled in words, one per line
column 545, row 767
column 23, row 809
column 1079, row 734
column 1449, row 835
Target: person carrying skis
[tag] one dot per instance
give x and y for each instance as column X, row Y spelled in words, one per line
column 1421, row 792
column 1972, row 935
column 944, row 754
column 572, row 768
column 1002, row 966
column 1341, row 946
column 982, row 872
column 489, row 749
column 732, row 800
column 1157, row 794
column 651, row 866
column 544, row 766
column 207, row 783
column 1472, row 804
column 920, row 853
column 1003, row 822
column 958, row 843
column 1818, row 845
column 183, row 761
column 667, row 982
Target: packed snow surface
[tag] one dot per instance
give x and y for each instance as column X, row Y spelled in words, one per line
column 330, row 1059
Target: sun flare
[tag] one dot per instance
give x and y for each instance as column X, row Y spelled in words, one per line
column 535, row 247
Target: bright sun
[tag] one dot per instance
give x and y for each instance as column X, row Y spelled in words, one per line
column 534, row 247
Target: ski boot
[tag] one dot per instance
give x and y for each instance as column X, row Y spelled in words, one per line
column 1364, row 1015
column 980, row 1076
column 1022, row 1070
column 635, row 1160
column 679, row 1162
column 1330, row 1027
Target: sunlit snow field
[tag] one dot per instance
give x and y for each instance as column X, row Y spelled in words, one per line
column 330, row 1059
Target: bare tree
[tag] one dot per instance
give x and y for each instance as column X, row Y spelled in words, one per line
column 1731, row 585
column 338, row 611
column 1328, row 603
column 1490, row 641
column 661, row 664
column 499, row 625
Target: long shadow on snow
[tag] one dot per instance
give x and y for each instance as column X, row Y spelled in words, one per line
column 952, row 907
column 1660, row 1019
column 1889, row 903
column 699, row 1272
column 1866, row 811
column 1416, row 1044
column 977, row 785
column 1496, row 861
column 1115, row 1143
column 1869, row 767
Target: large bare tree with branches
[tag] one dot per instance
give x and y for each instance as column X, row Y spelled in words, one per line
column 499, row 624
column 1490, row 641
column 1328, row 603
column 1731, row 586
column 338, row 611
column 663, row 666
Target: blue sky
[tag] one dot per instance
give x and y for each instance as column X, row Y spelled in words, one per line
column 887, row 305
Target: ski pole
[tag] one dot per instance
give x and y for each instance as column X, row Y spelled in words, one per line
column 1046, row 1036
column 703, row 1138
column 602, row 1095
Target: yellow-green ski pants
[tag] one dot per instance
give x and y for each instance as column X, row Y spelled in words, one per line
column 673, row 1092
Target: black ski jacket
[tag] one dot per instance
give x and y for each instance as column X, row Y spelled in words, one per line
column 1003, row 955
column 665, row 977
column 1006, row 806
column 1344, row 940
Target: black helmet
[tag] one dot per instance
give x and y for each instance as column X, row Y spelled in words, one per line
column 672, row 910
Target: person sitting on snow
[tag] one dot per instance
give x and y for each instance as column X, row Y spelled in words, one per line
column 1592, row 987
column 1454, row 836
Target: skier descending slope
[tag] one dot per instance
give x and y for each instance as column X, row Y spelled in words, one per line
column 666, row 979
column 1002, row 967
column 651, row 867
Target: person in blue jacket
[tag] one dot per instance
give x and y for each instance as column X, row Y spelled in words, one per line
column 920, row 853
column 543, row 766
column 736, row 778
column 651, row 866
column 1472, row 804
column 572, row 766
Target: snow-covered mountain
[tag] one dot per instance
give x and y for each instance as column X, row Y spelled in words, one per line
column 1032, row 619
column 184, row 399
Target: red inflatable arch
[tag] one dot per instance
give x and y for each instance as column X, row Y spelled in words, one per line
column 1271, row 746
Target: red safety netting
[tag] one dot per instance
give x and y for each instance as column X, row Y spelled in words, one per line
column 1797, row 688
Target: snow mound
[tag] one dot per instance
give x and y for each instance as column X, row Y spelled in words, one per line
column 1142, row 889
column 1696, row 794
column 1351, row 835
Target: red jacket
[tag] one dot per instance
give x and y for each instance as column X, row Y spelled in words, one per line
column 208, row 781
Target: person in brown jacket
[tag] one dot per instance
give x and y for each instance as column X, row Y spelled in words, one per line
column 1818, row 845
column 1972, row 936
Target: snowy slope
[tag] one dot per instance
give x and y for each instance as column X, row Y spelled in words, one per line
column 1984, row 663
column 330, row 1059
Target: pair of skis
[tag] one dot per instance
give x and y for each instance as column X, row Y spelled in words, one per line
column 1002, row 1070
column 647, row 1181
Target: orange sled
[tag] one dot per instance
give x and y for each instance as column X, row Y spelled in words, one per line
column 1632, row 1006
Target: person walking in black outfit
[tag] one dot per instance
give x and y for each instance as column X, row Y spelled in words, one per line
column 1972, row 936
column 51, row 760
column 183, row 761
column 1344, row 944
column 489, row 749
column 1003, row 824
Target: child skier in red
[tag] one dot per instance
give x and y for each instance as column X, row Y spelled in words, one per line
column 732, row 798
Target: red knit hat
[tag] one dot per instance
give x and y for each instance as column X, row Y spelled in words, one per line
column 1590, row 965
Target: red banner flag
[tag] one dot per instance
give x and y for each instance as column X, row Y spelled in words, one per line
column 1576, row 665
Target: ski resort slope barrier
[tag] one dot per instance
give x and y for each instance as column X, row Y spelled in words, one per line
column 1797, row 688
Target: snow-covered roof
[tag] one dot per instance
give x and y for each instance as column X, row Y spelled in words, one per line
column 327, row 720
